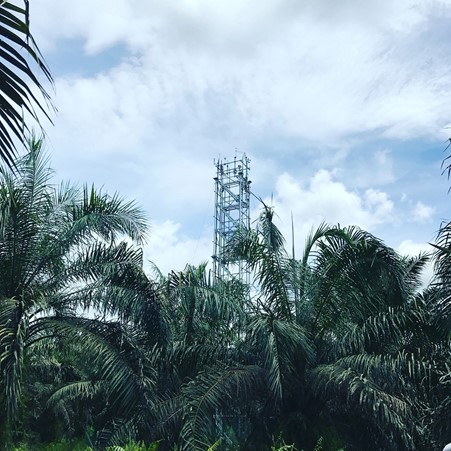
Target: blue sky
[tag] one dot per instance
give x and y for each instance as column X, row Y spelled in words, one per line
column 341, row 106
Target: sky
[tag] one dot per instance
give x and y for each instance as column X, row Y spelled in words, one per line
column 342, row 107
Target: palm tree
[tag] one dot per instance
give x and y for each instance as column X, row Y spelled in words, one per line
column 18, row 97
column 68, row 278
column 437, row 339
column 204, row 318
column 330, row 332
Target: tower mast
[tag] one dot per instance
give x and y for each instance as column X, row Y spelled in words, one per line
column 232, row 213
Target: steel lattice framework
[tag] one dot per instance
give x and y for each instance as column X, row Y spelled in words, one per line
column 232, row 213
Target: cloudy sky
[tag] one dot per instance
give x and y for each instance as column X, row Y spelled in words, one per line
column 342, row 107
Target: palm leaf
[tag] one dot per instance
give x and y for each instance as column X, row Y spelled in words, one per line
column 113, row 351
column 283, row 347
column 390, row 412
column 207, row 394
column 16, row 97
column 13, row 332
column 79, row 390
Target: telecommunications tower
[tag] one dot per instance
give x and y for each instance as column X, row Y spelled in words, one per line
column 232, row 213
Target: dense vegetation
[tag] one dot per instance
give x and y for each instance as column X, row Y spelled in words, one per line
column 340, row 349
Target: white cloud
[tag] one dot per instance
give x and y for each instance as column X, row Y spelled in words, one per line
column 193, row 21
column 316, row 71
column 422, row 212
column 380, row 205
column 365, row 169
column 412, row 248
column 323, row 199
column 170, row 250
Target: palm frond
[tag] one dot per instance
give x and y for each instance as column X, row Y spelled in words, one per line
column 358, row 276
column 207, row 394
column 272, row 237
column 114, row 351
column 391, row 413
column 283, row 347
column 108, row 216
column 117, row 432
column 16, row 96
column 79, row 390
column 13, row 332
column 270, row 265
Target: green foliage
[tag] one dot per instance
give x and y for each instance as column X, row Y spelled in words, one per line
column 79, row 445
column 135, row 446
column 63, row 445
column 335, row 338
column 61, row 253
column 18, row 78
column 338, row 350
column 215, row 445
column 280, row 445
column 319, row 444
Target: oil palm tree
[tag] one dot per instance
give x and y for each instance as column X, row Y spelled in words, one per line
column 346, row 310
column 370, row 372
column 67, row 276
column 437, row 339
column 204, row 317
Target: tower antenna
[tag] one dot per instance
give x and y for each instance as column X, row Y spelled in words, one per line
column 232, row 213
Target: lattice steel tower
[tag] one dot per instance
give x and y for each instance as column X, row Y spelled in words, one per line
column 232, row 212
